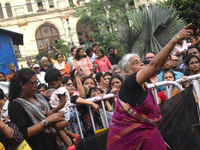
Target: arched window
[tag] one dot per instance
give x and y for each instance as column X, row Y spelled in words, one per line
column 46, row 36
column 9, row 10
column 29, row 5
column 83, row 31
column 1, row 12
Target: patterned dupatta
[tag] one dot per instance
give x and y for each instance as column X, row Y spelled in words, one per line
column 130, row 127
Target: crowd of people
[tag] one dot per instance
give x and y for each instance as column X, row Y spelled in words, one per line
column 37, row 106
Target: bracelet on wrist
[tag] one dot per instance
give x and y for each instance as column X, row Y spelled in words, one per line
column 2, row 129
column 177, row 36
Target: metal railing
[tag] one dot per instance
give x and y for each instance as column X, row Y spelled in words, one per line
column 93, row 99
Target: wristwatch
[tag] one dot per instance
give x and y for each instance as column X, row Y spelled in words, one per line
column 45, row 123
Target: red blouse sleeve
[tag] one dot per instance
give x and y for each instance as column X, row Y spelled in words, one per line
column 162, row 96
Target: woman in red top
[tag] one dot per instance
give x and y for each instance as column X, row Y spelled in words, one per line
column 102, row 63
column 162, row 96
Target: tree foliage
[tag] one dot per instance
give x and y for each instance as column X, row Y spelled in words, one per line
column 149, row 29
column 103, row 15
column 188, row 10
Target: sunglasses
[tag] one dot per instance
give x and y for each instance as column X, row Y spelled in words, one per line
column 69, row 84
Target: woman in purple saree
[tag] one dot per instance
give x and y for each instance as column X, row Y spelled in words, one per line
column 136, row 113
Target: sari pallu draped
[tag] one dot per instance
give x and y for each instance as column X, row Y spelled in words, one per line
column 131, row 128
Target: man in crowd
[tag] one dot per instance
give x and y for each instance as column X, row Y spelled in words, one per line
column 193, row 50
column 30, row 63
column 175, row 63
column 45, row 66
column 40, row 74
column 12, row 69
column 149, row 56
column 114, row 60
column 168, row 67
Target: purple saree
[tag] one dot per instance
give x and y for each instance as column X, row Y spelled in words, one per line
column 135, row 128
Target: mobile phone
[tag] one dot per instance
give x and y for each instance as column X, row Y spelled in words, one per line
column 3, row 116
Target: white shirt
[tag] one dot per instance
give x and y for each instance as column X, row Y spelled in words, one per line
column 41, row 77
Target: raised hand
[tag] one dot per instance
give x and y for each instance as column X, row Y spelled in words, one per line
column 186, row 32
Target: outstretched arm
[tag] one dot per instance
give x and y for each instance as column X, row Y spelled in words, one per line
column 158, row 61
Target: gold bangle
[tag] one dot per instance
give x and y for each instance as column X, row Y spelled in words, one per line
column 4, row 128
column 177, row 36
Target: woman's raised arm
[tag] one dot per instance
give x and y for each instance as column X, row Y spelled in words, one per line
column 158, row 61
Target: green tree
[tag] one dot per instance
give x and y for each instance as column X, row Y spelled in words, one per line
column 103, row 15
column 149, row 29
column 188, row 10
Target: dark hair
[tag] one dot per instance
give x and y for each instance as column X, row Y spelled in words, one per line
column 100, row 50
column 149, row 52
column 88, row 77
column 191, row 48
column 110, row 49
column 94, row 45
column 72, row 73
column 1, row 94
column 77, row 57
column 115, row 76
column 189, row 58
column 72, row 49
column 42, row 85
column 107, row 73
column 64, row 80
column 173, row 74
column 52, row 74
column 91, row 89
column 98, row 76
column 3, row 75
column 58, row 55
column 88, row 51
column 23, row 75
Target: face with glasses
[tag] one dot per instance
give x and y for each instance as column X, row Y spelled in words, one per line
column 29, row 89
column 193, row 65
column 116, row 83
column 175, row 61
column 70, row 87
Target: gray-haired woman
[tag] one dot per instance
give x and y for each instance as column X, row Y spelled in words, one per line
column 136, row 113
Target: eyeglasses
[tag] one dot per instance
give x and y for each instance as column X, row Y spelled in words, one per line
column 69, row 84
column 34, row 83
column 175, row 59
column 194, row 62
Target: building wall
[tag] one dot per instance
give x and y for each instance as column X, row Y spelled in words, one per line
column 28, row 23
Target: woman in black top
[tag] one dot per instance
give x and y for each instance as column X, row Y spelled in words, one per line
column 28, row 111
